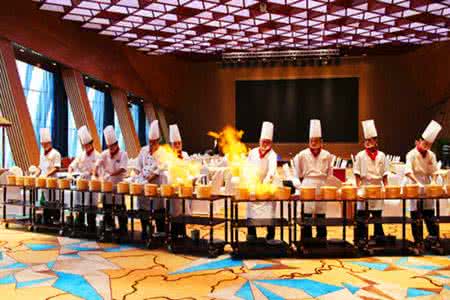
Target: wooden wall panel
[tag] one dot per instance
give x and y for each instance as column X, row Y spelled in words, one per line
column 120, row 102
column 163, row 123
column 395, row 90
column 14, row 107
column 79, row 102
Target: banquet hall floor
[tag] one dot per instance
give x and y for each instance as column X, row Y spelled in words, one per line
column 43, row 266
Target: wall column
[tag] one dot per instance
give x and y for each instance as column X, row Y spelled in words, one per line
column 13, row 106
column 120, row 102
column 79, row 103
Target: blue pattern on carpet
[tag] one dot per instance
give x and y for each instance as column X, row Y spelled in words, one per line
column 417, row 293
column 16, row 265
column 8, row 279
column 311, row 287
column 40, row 247
column 245, row 292
column 76, row 285
column 217, row 264
column 31, row 282
column 352, row 288
column 269, row 294
column 261, row 266
column 371, row 265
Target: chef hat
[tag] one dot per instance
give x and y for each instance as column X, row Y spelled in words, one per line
column 110, row 135
column 45, row 135
column 84, row 135
column 154, row 130
column 431, row 131
column 266, row 131
column 174, row 133
column 315, row 129
column 370, row 131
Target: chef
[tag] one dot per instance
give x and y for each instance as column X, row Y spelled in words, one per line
column 149, row 166
column 178, row 229
column 264, row 159
column 313, row 166
column 371, row 168
column 112, row 166
column 421, row 166
column 84, row 165
column 49, row 164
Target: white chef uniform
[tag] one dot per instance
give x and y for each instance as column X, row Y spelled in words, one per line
column 110, row 165
column 50, row 160
column 371, row 171
column 84, row 164
column 314, row 170
column 148, row 164
column 267, row 169
column 423, row 167
column 176, row 206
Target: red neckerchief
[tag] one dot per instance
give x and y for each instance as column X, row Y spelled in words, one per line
column 372, row 154
column 315, row 152
column 152, row 151
column 48, row 151
column 113, row 154
column 262, row 154
column 90, row 152
column 421, row 151
column 180, row 154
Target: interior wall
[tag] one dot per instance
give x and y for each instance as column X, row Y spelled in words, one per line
column 394, row 90
column 397, row 91
column 93, row 54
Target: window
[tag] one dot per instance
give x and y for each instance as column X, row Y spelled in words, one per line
column 97, row 102
column 100, row 108
column 140, row 122
column 119, row 132
column 37, row 86
column 9, row 161
column 74, row 147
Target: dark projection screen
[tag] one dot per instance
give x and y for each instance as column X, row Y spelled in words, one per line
column 290, row 104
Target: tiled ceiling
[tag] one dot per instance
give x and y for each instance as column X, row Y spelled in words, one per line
column 215, row 26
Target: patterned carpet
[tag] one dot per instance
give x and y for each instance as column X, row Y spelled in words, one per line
column 40, row 266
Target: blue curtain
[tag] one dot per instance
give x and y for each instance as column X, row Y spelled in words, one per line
column 108, row 114
column 60, row 115
column 38, row 88
column 140, row 122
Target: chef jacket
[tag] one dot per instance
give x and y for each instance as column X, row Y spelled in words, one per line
column 422, row 168
column 113, row 164
column 314, row 170
column 267, row 169
column 49, row 161
column 372, row 173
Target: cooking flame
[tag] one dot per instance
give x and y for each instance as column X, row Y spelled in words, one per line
column 181, row 172
column 236, row 153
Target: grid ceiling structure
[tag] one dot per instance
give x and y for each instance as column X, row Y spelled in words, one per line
column 217, row 26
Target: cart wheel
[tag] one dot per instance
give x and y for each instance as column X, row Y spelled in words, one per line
column 31, row 229
column 170, row 248
column 61, row 232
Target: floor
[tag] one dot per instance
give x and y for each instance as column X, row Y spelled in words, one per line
column 42, row 266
